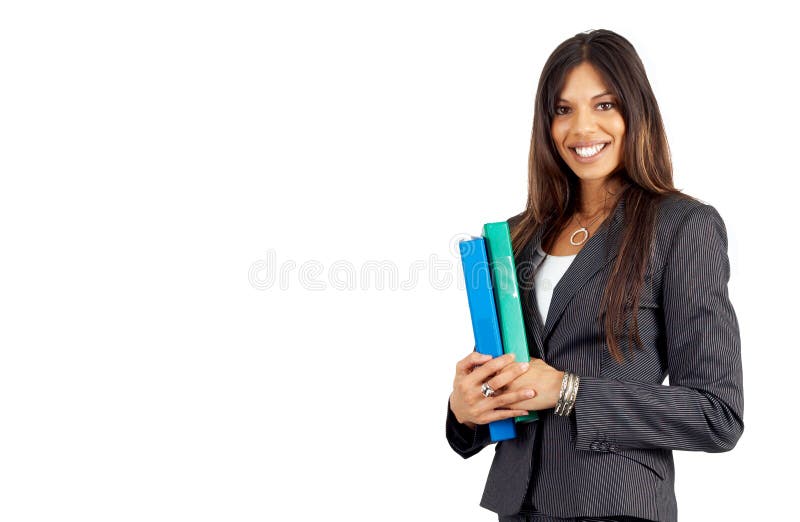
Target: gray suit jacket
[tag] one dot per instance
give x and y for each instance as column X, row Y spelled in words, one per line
column 613, row 455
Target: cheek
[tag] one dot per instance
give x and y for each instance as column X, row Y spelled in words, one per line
column 619, row 128
column 558, row 134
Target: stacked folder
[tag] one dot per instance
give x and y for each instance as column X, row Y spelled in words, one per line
column 494, row 304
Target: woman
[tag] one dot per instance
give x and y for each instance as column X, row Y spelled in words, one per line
column 623, row 281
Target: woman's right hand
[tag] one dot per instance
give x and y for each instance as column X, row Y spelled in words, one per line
column 469, row 405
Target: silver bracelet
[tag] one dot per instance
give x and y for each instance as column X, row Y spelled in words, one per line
column 568, row 394
column 573, row 395
column 560, row 403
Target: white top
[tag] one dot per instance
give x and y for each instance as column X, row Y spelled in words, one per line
column 548, row 274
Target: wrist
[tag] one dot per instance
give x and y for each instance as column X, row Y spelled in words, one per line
column 568, row 392
column 470, row 425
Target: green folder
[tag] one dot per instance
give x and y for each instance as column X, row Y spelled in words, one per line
column 506, row 294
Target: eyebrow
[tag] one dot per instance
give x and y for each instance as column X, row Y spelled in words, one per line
column 593, row 97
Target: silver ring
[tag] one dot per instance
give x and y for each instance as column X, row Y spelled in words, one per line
column 487, row 390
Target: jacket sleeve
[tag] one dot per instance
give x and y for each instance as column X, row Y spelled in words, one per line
column 702, row 407
column 464, row 440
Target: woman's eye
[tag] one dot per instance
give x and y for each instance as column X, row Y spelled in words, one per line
column 560, row 111
column 610, row 105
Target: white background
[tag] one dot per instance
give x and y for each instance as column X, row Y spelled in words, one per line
column 155, row 155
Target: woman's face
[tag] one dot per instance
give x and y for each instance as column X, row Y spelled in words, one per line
column 588, row 128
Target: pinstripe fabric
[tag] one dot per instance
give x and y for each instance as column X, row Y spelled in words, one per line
column 542, row 518
column 613, row 456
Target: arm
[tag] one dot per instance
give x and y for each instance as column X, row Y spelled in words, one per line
column 702, row 408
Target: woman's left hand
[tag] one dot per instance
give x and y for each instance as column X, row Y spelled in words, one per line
column 541, row 377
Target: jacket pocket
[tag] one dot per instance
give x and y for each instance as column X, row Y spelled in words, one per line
column 650, row 459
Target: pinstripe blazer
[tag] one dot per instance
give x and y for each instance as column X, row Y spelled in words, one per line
column 613, row 455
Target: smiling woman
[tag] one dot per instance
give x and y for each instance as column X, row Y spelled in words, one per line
column 623, row 281
column 595, row 118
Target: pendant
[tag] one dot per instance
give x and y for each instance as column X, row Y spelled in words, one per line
column 582, row 241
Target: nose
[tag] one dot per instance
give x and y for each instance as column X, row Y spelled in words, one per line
column 585, row 122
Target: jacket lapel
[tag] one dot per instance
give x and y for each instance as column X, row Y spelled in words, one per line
column 598, row 251
column 526, row 271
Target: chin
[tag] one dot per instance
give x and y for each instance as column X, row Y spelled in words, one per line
column 589, row 176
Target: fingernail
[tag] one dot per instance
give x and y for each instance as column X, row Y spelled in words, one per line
column 524, row 367
column 530, row 393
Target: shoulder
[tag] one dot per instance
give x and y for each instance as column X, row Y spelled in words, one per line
column 674, row 208
column 519, row 225
column 515, row 219
column 684, row 220
column 676, row 211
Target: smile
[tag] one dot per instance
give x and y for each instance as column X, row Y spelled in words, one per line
column 588, row 153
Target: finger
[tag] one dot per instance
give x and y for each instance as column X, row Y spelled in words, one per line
column 486, row 405
column 509, row 373
column 485, row 371
column 504, row 399
column 496, row 415
column 465, row 365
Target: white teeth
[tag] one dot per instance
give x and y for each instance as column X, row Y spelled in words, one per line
column 587, row 152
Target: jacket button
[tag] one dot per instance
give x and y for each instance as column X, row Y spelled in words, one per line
column 595, row 446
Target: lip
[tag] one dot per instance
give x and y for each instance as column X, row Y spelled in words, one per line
column 586, row 143
column 592, row 159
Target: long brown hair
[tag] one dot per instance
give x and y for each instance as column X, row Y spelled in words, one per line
column 646, row 169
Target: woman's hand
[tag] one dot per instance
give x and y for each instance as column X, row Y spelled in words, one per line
column 542, row 378
column 469, row 405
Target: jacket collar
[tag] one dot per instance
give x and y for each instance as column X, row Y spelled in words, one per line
column 598, row 251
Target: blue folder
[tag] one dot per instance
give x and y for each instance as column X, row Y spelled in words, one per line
column 483, row 312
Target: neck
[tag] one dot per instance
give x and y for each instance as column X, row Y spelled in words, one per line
column 597, row 195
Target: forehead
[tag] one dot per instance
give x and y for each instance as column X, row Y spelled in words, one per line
column 583, row 82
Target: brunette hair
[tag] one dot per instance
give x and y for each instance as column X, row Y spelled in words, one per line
column 646, row 168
